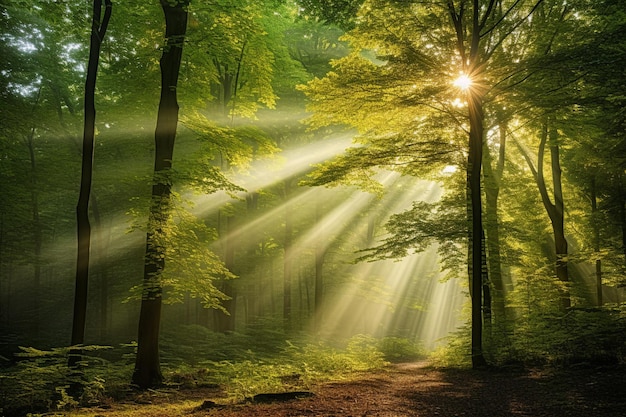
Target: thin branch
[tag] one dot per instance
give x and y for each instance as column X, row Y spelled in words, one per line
column 487, row 14
column 504, row 15
column 457, row 20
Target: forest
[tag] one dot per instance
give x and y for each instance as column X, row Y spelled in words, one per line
column 262, row 196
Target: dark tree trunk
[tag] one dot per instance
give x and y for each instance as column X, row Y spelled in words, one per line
column 492, row 178
column 484, row 273
column 37, row 232
column 98, row 30
column 103, row 268
column 470, row 58
column 596, row 239
column 622, row 213
column 474, row 169
column 555, row 210
column 147, row 372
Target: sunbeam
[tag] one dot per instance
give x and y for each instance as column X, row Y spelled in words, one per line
column 399, row 298
column 264, row 173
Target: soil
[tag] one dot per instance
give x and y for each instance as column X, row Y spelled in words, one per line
column 415, row 389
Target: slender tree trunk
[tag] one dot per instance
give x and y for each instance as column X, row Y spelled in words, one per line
column 226, row 322
column 555, row 210
column 596, row 240
column 288, row 260
column 320, row 254
column 487, row 299
column 37, row 232
column 474, row 169
column 147, row 372
column 470, row 62
column 253, row 299
column 492, row 178
column 622, row 213
column 103, row 238
column 99, row 26
column 4, row 309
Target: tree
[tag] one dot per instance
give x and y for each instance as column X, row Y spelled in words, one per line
column 98, row 30
column 147, row 371
column 337, row 12
column 492, row 175
column 413, row 74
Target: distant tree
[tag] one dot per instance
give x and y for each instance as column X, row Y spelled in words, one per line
column 36, row 81
column 335, row 12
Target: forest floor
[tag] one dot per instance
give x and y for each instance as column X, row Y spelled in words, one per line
column 415, row 389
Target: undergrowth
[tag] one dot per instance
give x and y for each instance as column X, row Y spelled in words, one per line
column 41, row 381
column 193, row 357
column 578, row 336
column 297, row 365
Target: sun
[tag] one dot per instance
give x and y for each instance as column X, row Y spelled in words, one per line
column 463, row 81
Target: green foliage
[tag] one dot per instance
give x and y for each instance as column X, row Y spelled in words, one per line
column 400, row 349
column 319, row 361
column 191, row 267
column 41, row 380
column 189, row 345
column 228, row 361
column 592, row 336
column 315, row 45
column 338, row 12
column 230, row 147
column 456, row 351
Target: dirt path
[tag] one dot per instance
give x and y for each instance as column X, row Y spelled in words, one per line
column 417, row 390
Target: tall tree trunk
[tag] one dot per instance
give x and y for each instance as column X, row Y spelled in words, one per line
column 37, row 232
column 288, row 259
column 147, row 372
column 622, row 212
column 99, row 26
column 596, row 239
column 103, row 238
column 492, row 178
column 252, row 299
column 471, row 66
column 225, row 322
column 487, row 299
column 474, row 169
column 320, row 254
column 555, row 210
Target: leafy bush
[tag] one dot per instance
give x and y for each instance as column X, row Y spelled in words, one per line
column 581, row 335
column 456, row 352
column 399, row 349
